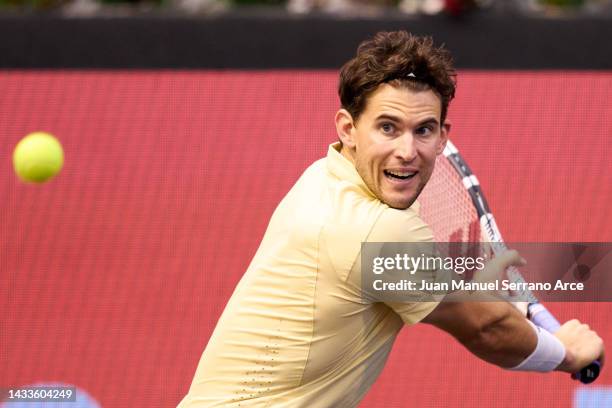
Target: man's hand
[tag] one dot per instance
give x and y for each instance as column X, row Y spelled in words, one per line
column 582, row 346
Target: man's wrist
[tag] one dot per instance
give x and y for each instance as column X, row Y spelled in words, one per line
column 568, row 362
column 550, row 353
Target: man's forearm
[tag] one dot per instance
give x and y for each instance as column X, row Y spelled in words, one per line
column 505, row 342
column 493, row 331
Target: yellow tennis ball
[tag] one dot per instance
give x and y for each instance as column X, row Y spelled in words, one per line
column 38, row 157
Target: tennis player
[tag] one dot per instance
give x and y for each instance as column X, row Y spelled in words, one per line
column 297, row 331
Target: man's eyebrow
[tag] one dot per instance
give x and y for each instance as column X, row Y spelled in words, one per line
column 388, row 117
column 429, row 121
column 393, row 118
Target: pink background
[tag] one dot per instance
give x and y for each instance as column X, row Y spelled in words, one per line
column 112, row 275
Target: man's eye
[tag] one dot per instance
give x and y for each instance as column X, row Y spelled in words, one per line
column 387, row 128
column 424, row 130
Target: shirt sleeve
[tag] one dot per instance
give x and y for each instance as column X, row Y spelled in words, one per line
column 403, row 226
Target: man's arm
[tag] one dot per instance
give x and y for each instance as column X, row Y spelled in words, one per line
column 494, row 331
column 497, row 333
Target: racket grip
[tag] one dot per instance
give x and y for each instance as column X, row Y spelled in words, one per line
column 541, row 317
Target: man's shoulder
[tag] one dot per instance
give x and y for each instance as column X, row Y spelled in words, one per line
column 395, row 225
column 313, row 176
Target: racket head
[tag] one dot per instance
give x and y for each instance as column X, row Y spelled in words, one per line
column 447, row 207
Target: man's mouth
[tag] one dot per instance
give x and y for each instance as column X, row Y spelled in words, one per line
column 400, row 175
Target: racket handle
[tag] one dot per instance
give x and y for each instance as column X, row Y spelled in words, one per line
column 541, row 317
column 589, row 373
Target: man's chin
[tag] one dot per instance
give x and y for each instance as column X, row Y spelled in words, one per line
column 399, row 203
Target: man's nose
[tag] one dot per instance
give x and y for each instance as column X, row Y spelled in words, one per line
column 405, row 149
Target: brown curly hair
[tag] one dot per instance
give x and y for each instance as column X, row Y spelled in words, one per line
column 399, row 59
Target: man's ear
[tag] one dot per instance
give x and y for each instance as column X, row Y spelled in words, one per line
column 444, row 132
column 345, row 127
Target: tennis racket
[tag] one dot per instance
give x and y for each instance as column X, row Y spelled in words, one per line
column 455, row 208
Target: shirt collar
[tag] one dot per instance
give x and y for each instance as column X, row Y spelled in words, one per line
column 341, row 168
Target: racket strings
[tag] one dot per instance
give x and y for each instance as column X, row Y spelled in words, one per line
column 447, row 207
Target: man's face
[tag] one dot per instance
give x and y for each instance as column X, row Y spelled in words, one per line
column 395, row 141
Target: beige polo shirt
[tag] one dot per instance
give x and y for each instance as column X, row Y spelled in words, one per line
column 297, row 331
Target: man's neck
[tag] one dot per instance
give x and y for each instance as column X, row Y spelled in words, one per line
column 344, row 151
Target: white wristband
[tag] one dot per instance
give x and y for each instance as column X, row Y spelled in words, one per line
column 547, row 356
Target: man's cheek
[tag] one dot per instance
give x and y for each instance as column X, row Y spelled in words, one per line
column 426, row 173
column 379, row 150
